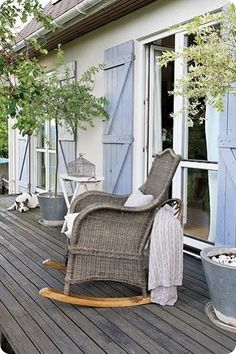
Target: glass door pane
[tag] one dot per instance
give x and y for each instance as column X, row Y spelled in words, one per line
column 52, row 135
column 201, row 198
column 162, row 105
column 200, row 176
column 52, row 170
column 41, row 170
column 46, row 157
column 41, row 138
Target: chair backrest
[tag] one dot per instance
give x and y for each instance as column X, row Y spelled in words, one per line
column 160, row 176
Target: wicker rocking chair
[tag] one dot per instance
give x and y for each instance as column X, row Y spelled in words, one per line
column 108, row 239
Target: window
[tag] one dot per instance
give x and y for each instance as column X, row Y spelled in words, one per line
column 46, row 157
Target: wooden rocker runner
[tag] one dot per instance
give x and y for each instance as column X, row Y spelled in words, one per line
column 95, row 301
column 108, row 238
column 88, row 300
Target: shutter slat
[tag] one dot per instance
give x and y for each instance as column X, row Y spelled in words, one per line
column 117, row 139
column 227, row 141
column 118, row 131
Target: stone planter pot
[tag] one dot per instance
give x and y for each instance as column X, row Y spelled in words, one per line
column 53, row 209
column 221, row 280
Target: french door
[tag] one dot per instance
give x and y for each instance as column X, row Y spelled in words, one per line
column 196, row 178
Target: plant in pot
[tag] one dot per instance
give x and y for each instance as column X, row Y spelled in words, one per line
column 211, row 62
column 74, row 106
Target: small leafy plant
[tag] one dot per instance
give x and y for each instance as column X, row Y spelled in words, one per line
column 19, row 73
column 3, row 139
column 71, row 104
column 211, row 61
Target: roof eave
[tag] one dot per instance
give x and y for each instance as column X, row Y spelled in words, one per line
column 82, row 10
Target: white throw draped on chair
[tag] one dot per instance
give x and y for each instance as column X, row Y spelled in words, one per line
column 166, row 257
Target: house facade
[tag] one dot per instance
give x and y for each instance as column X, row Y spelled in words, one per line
column 128, row 38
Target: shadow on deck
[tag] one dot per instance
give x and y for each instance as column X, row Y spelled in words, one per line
column 33, row 324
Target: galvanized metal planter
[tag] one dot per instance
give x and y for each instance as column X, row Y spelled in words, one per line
column 53, row 209
column 221, row 280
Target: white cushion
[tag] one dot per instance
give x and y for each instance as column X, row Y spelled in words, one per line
column 137, row 199
column 70, row 218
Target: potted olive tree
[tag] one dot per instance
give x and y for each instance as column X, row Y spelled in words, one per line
column 27, row 94
column 211, row 61
column 74, row 106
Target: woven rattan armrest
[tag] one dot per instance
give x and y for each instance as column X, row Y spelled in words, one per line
column 88, row 198
column 98, row 222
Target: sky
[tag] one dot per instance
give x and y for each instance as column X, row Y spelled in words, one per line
column 44, row 2
column 19, row 24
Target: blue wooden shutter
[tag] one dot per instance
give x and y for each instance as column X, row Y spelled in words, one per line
column 226, row 207
column 23, row 147
column 118, row 131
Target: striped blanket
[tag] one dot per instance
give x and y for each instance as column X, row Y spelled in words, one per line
column 166, row 257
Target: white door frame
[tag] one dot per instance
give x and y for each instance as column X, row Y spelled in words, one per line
column 179, row 127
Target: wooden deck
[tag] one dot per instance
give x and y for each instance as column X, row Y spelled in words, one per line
column 33, row 324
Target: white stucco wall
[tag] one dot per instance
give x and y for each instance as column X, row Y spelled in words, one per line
column 142, row 24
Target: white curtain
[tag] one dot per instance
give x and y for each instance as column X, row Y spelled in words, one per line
column 212, row 133
column 157, row 114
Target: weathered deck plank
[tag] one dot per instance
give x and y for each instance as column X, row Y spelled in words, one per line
column 33, row 324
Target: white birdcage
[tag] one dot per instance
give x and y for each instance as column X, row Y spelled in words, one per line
column 81, row 167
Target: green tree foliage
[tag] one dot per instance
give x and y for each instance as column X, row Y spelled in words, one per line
column 3, row 139
column 211, row 61
column 69, row 103
column 28, row 94
column 20, row 74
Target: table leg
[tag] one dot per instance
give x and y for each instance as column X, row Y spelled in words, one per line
column 63, row 187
